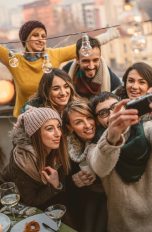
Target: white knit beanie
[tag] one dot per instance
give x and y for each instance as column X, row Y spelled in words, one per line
column 34, row 118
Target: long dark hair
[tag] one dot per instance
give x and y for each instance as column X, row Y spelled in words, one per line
column 42, row 96
column 59, row 155
column 144, row 70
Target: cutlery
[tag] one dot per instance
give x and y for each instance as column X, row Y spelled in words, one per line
column 3, row 209
column 48, row 227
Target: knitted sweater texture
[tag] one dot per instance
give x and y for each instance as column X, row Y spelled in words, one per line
column 129, row 205
column 28, row 73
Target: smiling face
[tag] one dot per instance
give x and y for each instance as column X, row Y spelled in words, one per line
column 60, row 92
column 36, row 41
column 90, row 64
column 136, row 85
column 51, row 134
column 104, row 109
column 82, row 125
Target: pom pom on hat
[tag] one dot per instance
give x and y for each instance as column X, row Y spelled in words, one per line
column 27, row 27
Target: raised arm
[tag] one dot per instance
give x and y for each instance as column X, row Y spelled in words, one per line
column 4, row 58
column 104, row 155
column 110, row 34
column 64, row 54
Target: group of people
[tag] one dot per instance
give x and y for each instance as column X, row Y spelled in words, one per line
column 77, row 114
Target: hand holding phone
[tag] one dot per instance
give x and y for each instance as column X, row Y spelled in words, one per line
column 141, row 104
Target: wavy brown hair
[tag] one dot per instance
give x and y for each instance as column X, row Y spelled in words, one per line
column 59, row 155
column 144, row 70
column 42, row 95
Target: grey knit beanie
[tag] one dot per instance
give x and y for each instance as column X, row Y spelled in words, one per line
column 27, row 27
column 34, row 118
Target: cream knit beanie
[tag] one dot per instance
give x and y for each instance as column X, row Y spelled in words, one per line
column 34, row 118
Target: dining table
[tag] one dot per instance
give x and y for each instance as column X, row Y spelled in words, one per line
column 63, row 227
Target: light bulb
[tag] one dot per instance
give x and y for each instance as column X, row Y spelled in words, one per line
column 46, row 66
column 13, row 60
column 138, row 42
column 86, row 48
column 130, row 19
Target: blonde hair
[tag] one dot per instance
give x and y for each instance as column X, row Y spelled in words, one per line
column 81, row 106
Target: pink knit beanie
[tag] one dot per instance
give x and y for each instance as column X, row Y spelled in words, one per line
column 27, row 27
column 34, row 118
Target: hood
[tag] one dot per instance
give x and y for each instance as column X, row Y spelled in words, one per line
column 19, row 136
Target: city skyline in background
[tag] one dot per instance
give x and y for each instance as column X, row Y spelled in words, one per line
column 14, row 3
column 70, row 18
column 17, row 3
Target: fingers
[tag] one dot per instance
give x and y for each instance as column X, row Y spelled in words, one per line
column 124, row 117
column 49, row 173
column 120, row 120
column 120, row 105
column 150, row 105
column 48, row 169
column 85, row 175
column 83, row 179
column 149, row 90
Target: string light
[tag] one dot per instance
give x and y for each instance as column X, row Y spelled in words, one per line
column 46, row 66
column 138, row 41
column 86, row 48
column 13, row 60
column 76, row 33
column 130, row 18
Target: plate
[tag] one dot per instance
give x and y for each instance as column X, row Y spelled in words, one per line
column 40, row 218
column 5, row 222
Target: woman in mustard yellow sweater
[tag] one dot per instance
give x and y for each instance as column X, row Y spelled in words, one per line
column 28, row 73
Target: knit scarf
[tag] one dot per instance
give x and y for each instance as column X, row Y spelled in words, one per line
column 134, row 155
column 27, row 161
column 75, row 148
column 28, row 57
column 88, row 87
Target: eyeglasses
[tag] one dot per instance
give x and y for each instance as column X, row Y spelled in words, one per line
column 103, row 113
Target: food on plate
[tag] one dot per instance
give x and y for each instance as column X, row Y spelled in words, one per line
column 32, row 226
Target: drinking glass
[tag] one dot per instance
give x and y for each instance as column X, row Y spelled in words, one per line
column 9, row 196
column 56, row 212
column 84, row 166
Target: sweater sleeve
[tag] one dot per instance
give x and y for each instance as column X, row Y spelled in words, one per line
column 103, row 157
column 32, row 193
column 4, row 55
column 64, row 54
column 110, row 34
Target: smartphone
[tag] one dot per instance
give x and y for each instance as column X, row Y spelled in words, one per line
column 141, row 104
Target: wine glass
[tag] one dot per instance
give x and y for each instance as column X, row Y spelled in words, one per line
column 56, row 212
column 9, row 195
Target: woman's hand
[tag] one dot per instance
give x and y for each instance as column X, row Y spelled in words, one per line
column 82, row 178
column 119, row 121
column 51, row 176
column 149, row 90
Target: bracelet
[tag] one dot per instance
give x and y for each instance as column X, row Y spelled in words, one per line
column 60, row 186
